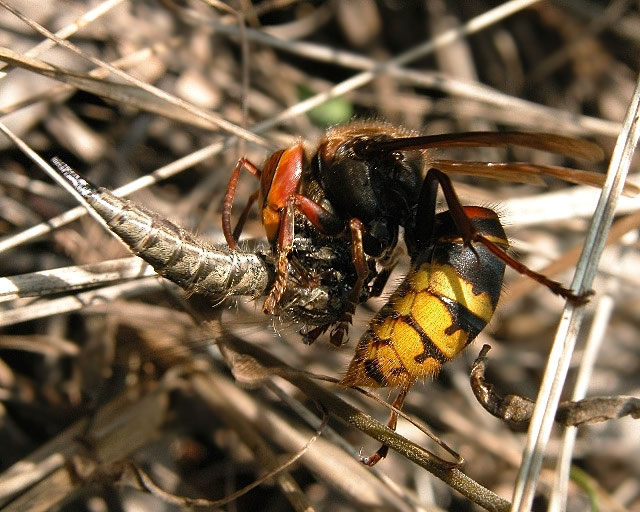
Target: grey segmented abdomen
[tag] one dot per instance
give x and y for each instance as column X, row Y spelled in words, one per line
column 172, row 251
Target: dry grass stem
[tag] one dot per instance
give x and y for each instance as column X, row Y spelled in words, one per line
column 156, row 102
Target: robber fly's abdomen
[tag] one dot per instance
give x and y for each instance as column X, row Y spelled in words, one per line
column 172, row 251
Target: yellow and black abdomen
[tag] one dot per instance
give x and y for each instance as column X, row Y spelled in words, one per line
column 447, row 298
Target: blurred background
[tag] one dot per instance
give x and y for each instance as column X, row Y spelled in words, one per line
column 126, row 353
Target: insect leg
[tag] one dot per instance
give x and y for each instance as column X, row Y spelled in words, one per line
column 230, row 236
column 325, row 221
column 388, row 263
column 237, row 231
column 362, row 271
column 554, row 286
column 286, row 234
column 331, row 224
column 314, row 334
column 469, row 234
column 373, row 459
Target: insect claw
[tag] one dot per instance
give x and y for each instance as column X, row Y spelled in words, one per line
column 578, row 300
column 311, row 336
column 366, row 460
column 373, row 459
column 338, row 334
